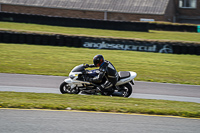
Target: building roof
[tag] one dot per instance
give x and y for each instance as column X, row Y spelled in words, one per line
column 124, row 6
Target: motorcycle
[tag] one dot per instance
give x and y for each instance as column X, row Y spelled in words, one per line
column 76, row 83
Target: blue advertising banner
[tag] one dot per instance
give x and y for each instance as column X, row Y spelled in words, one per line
column 146, row 47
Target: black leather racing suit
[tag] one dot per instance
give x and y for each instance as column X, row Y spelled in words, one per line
column 108, row 70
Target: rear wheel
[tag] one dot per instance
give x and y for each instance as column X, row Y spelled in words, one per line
column 126, row 90
column 66, row 88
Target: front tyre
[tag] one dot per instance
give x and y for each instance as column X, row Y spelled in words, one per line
column 66, row 88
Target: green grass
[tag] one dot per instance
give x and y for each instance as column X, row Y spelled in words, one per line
column 98, row 103
column 152, row 34
column 171, row 23
column 52, row 60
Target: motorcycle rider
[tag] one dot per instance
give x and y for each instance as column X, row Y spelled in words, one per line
column 106, row 69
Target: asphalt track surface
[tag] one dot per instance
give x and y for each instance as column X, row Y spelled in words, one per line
column 43, row 121
column 46, row 121
column 147, row 90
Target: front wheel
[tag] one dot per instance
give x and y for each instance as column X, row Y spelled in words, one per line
column 66, row 88
column 126, row 89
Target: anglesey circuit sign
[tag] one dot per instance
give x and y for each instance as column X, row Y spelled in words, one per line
column 142, row 47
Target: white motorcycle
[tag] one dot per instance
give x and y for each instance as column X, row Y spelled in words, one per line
column 76, row 83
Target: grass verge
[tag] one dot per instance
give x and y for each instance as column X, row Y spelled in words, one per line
column 98, row 103
column 52, row 60
column 152, row 34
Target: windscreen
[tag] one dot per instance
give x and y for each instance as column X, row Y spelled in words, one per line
column 79, row 68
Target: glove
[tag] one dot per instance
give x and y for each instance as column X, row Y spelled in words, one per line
column 91, row 65
column 86, row 65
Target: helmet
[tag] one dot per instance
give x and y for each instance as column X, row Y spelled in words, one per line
column 98, row 60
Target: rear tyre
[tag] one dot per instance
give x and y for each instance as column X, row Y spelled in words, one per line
column 66, row 88
column 127, row 88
